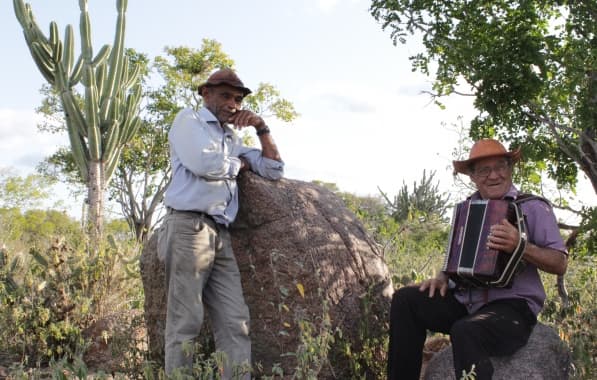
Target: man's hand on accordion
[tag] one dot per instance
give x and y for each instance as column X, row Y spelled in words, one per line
column 439, row 282
column 503, row 236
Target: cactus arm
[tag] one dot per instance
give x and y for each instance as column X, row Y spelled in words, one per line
column 91, row 104
column 40, row 55
column 45, row 65
column 100, row 78
column 112, row 139
column 43, row 55
column 27, row 21
column 75, row 75
column 116, row 59
column 101, row 55
column 132, row 129
column 74, row 112
column 55, row 42
column 19, row 7
column 69, row 52
column 132, row 126
column 57, row 52
column 104, row 99
column 132, row 105
column 123, row 75
column 61, row 79
column 80, row 153
column 112, row 104
column 133, row 77
column 85, row 30
column 93, row 132
column 112, row 163
column 54, row 37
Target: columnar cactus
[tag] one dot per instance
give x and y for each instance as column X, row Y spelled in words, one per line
column 109, row 116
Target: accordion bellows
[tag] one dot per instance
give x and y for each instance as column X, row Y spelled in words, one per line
column 468, row 260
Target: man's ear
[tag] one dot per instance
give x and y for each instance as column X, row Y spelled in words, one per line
column 204, row 91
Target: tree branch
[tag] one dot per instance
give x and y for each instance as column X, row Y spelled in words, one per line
column 436, row 95
column 564, row 226
column 553, row 127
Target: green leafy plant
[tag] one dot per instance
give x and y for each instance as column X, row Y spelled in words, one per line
column 49, row 297
column 576, row 322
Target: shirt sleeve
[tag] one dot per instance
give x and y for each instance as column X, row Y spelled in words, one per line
column 542, row 225
column 198, row 152
column 265, row 167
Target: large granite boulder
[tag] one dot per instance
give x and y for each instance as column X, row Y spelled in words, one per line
column 309, row 271
column 545, row 357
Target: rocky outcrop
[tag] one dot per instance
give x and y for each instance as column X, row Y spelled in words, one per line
column 309, row 271
column 545, row 357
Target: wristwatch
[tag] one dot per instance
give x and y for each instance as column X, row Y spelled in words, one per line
column 263, row 131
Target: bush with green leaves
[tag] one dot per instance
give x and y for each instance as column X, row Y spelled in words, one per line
column 39, row 316
column 576, row 322
column 35, row 228
column 49, row 297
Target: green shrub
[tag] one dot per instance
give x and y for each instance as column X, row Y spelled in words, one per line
column 576, row 322
column 48, row 298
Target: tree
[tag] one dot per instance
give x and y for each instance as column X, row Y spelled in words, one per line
column 530, row 65
column 143, row 173
column 17, row 195
column 21, row 193
column 99, row 127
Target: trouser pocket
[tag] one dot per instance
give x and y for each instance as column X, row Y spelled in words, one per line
column 162, row 241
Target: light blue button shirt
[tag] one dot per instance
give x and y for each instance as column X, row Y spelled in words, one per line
column 205, row 162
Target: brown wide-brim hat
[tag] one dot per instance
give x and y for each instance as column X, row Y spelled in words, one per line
column 483, row 149
column 224, row 76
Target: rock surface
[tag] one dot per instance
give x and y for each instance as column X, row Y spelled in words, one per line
column 545, row 357
column 304, row 258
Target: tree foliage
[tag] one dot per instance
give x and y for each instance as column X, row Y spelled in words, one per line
column 530, row 65
column 23, row 192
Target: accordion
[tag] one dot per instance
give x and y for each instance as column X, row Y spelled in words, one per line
column 468, row 260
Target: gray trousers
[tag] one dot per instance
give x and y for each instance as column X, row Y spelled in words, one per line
column 201, row 271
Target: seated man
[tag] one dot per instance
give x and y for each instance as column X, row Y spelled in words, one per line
column 482, row 322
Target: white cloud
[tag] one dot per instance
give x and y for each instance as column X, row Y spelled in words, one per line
column 326, row 5
column 329, row 5
column 23, row 147
column 21, row 144
column 393, row 139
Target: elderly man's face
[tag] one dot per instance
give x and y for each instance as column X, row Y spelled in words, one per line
column 223, row 101
column 493, row 177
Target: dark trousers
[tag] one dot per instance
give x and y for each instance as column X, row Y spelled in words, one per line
column 499, row 328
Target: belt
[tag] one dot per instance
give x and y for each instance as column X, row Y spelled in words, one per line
column 200, row 214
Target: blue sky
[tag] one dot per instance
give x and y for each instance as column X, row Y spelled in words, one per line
column 364, row 122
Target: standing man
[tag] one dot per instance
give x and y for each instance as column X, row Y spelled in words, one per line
column 481, row 322
column 202, row 201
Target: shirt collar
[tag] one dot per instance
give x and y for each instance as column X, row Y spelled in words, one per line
column 207, row 115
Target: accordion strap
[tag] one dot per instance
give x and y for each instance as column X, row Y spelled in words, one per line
column 525, row 197
column 518, row 252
